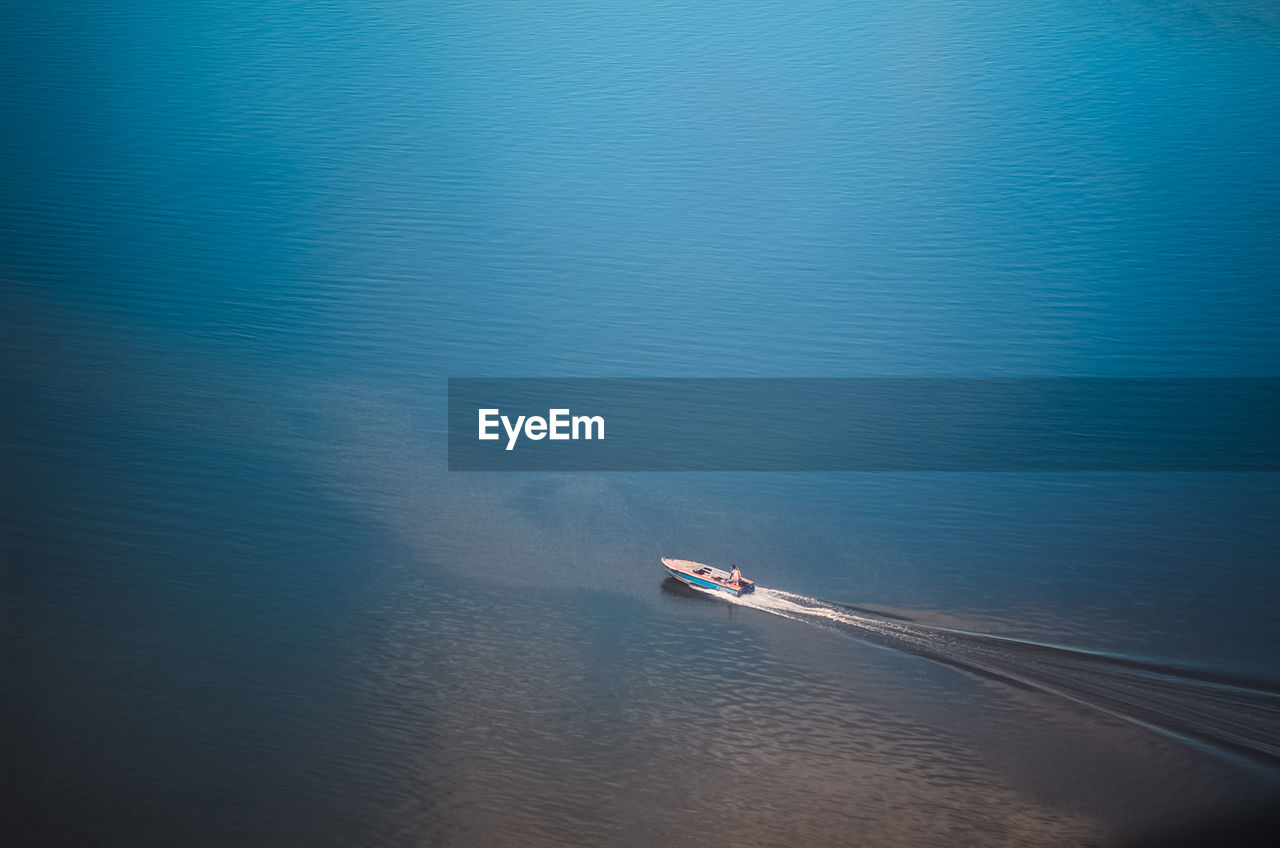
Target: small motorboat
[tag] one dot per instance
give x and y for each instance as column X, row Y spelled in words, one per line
column 708, row 577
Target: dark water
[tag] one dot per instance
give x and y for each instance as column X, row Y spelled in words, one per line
column 243, row 247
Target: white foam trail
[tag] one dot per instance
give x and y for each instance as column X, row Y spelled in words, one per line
column 1236, row 716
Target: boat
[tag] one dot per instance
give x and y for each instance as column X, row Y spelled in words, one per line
column 702, row 576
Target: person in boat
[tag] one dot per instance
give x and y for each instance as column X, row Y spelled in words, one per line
column 735, row 575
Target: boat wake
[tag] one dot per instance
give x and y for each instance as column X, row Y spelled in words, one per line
column 1228, row 714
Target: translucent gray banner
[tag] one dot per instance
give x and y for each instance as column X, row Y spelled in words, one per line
column 823, row 424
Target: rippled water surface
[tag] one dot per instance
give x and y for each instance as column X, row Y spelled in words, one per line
column 243, row 245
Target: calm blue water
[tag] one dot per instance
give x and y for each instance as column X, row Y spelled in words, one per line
column 243, row 246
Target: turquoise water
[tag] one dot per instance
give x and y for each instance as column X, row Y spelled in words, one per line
column 243, row 247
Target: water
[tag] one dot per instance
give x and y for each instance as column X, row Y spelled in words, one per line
column 1236, row 715
column 243, row 247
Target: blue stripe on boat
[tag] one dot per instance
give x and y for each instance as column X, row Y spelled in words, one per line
column 698, row 581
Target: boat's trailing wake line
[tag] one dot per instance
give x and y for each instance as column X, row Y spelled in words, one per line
column 1239, row 716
